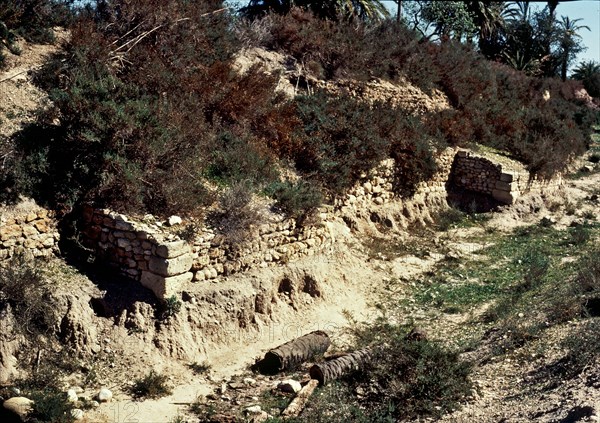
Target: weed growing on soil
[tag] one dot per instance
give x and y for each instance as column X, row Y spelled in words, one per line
column 153, row 385
column 200, row 368
column 26, row 291
column 170, row 307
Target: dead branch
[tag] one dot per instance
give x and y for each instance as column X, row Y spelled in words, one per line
column 299, row 402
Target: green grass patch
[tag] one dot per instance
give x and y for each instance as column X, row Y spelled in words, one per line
column 455, row 298
column 454, row 218
column 514, row 270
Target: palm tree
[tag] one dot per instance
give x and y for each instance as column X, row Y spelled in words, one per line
column 569, row 43
column 589, row 74
column 491, row 20
column 586, row 70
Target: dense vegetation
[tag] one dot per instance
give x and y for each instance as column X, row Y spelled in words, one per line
column 149, row 104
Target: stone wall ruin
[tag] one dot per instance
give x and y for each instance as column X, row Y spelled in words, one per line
column 148, row 251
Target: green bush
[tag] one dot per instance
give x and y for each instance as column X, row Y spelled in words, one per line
column 170, row 307
column 157, row 124
column 343, row 138
column 336, row 403
column 492, row 104
column 200, row 368
column 449, row 218
column 50, row 406
column 237, row 214
column 153, row 385
column 580, row 235
column 409, row 377
column 580, row 296
column 297, row 200
column 588, row 275
column 33, row 19
column 583, row 348
column 536, row 264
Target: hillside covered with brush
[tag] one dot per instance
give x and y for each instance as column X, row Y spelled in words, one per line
column 146, row 100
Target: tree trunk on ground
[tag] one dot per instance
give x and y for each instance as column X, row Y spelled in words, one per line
column 336, row 368
column 299, row 402
column 292, row 353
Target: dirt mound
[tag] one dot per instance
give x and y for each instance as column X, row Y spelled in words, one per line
column 401, row 94
column 293, row 79
column 20, row 97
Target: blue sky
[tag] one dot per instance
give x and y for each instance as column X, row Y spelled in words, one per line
column 589, row 13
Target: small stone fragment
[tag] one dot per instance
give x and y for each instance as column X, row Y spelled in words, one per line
column 77, row 414
column 72, row 395
column 174, row 220
column 104, row 395
column 289, row 385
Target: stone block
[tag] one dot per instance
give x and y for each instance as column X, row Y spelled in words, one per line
column 10, row 231
column 503, row 186
column 123, row 225
column 506, row 177
column 173, row 249
column 504, row 196
column 29, row 231
column 165, row 287
column 171, row 267
column 123, row 243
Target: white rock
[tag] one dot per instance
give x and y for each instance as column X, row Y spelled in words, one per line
column 249, row 381
column 253, row 410
column 260, row 417
column 77, row 414
column 105, row 395
column 290, row 385
column 72, row 395
column 18, row 405
column 174, row 220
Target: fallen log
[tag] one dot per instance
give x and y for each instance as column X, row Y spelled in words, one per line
column 334, row 369
column 299, row 402
column 294, row 352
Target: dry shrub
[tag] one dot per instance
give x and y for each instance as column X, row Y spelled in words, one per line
column 237, row 215
column 27, row 293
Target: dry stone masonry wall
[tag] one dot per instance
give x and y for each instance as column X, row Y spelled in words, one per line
column 33, row 233
column 476, row 173
column 154, row 255
column 375, row 195
column 148, row 251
